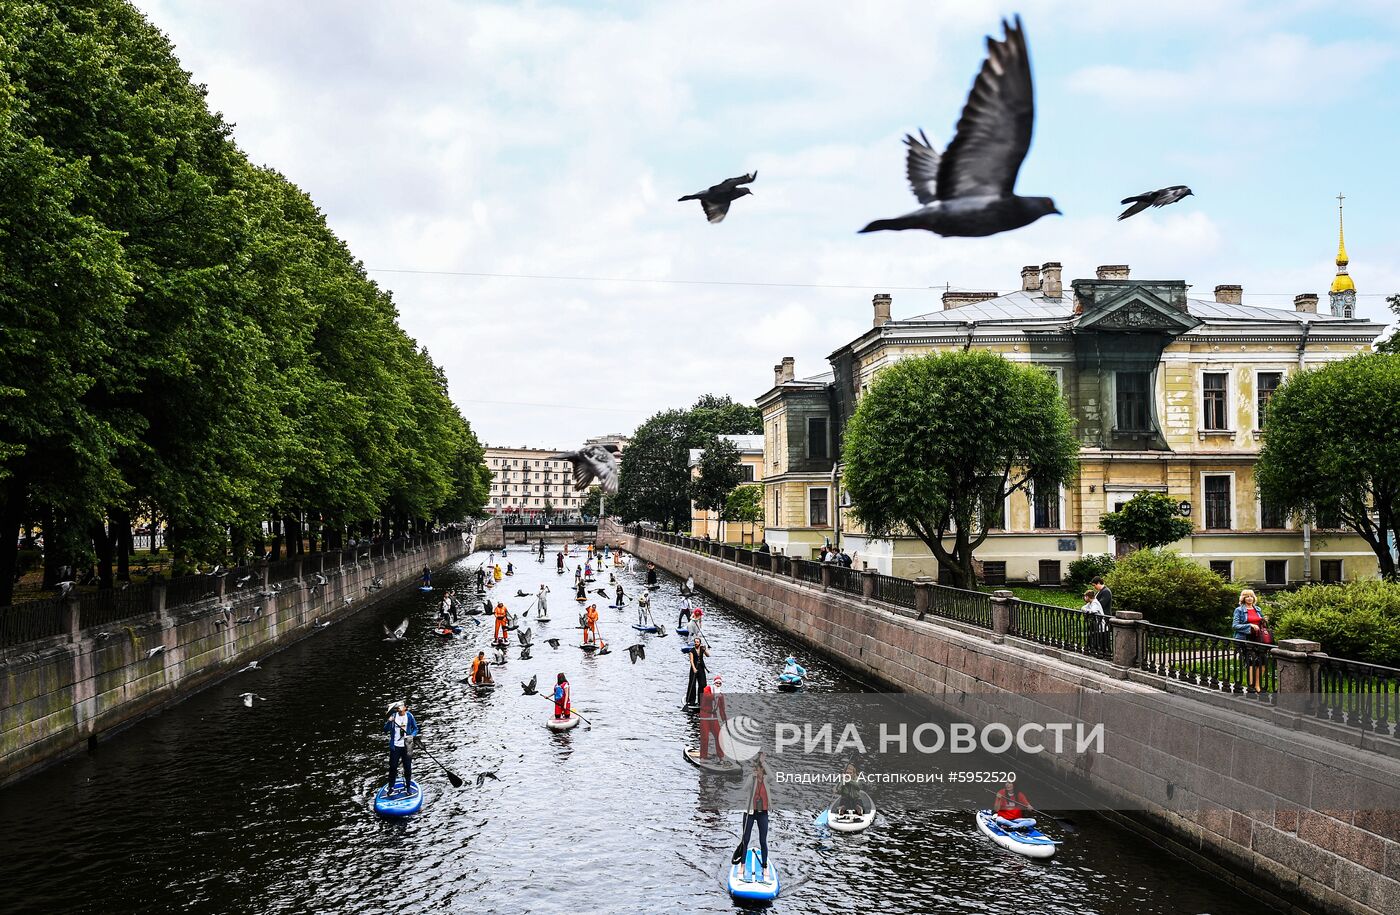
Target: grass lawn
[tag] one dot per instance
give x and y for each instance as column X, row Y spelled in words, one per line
column 1058, row 597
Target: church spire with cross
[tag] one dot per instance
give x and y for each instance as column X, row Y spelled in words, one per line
column 1343, row 291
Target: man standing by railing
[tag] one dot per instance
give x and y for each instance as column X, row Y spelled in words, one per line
column 1105, row 595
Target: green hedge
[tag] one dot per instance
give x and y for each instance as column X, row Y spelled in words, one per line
column 1358, row 620
column 1171, row 590
column 1086, row 569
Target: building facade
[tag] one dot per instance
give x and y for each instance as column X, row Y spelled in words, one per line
column 1167, row 392
column 527, row 481
column 705, row 523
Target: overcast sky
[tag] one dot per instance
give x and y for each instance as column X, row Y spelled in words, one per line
column 552, row 139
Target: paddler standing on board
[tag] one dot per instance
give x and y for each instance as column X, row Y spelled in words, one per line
column 562, row 706
column 502, row 617
column 712, row 715
column 427, row 577
column 590, row 625
column 401, row 729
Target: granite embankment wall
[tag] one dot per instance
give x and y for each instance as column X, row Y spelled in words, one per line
column 60, row 695
column 1286, row 813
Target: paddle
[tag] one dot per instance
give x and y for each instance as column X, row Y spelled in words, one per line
column 572, row 710
column 451, row 776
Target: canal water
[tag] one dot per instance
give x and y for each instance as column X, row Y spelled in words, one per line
column 213, row 807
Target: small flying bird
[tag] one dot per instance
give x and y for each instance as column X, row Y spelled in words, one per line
column 155, row 651
column 257, row 611
column 244, row 620
column 552, row 643
column 529, row 688
column 521, row 594
column 969, row 190
column 638, row 651
column 103, row 635
column 319, row 623
column 249, row 697
column 252, row 665
column 525, row 653
column 396, row 635
column 64, row 588
column 1158, row 198
column 319, row 578
column 238, row 583
column 346, row 600
column 715, row 200
column 377, row 582
column 593, row 462
column 600, row 592
column 216, row 572
column 481, row 778
column 526, row 636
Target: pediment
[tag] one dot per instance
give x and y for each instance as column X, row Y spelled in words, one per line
column 1136, row 310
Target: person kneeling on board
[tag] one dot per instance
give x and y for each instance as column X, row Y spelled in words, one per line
column 562, row 707
column 848, row 800
column 1010, row 808
column 481, row 673
column 401, row 728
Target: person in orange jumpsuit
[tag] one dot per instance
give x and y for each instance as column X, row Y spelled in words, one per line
column 590, row 625
column 480, row 672
column 501, row 617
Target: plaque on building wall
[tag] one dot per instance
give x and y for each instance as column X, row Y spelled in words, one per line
column 1068, row 544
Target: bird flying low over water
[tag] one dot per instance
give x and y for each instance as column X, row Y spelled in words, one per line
column 637, row 651
column 529, row 688
column 969, row 190
column 715, row 200
column 593, row 462
column 249, row 697
column 1159, row 198
column 552, row 643
column 396, row 635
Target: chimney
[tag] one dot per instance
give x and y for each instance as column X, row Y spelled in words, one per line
column 1113, row 272
column 1030, row 278
column 777, row 375
column 882, row 309
column 1229, row 295
column 1050, row 285
column 1305, row 302
column 786, row 370
column 958, row 299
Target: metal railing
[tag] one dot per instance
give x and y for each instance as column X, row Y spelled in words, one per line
column 846, row 579
column 98, row 608
column 1359, row 695
column 30, row 620
column 1061, row 627
column 893, row 590
column 1215, row 662
column 806, row 570
column 190, row 589
column 971, row 607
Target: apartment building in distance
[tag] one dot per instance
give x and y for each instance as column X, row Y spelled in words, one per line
column 707, row 523
column 527, row 481
column 1167, row 391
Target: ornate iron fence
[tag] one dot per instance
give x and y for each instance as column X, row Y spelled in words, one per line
column 1359, row 695
column 971, row 607
column 30, row 620
column 1213, row 661
column 845, row 579
column 98, row 608
column 893, row 590
column 806, row 570
column 1061, row 627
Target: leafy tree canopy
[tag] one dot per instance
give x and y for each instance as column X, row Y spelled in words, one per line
column 1148, row 519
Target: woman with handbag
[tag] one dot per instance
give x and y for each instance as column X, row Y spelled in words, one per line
column 1252, row 628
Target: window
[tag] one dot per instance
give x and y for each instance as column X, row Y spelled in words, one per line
column 777, row 505
column 816, row 437
column 1331, row 571
column 1049, row 571
column 1223, row 567
column 994, row 573
column 817, row 498
column 1276, row 572
column 1132, row 391
column 1214, row 390
column 992, row 513
column 1046, row 502
column 1218, row 496
column 1272, row 517
column 746, row 473
column 1265, row 384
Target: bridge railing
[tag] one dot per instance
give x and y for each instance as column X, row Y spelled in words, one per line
column 1064, row 628
column 1215, row 662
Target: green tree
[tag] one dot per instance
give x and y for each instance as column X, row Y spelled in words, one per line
column 592, row 502
column 1391, row 344
column 744, row 505
column 1333, row 447
column 719, row 471
column 938, row 436
column 719, row 415
column 1148, row 519
column 1171, row 590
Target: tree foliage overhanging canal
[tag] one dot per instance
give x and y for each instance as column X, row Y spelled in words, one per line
column 182, row 337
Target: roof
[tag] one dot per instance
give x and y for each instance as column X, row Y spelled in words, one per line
column 747, row 444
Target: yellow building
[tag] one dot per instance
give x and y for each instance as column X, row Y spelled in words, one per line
column 709, row 524
column 523, row 480
column 1166, row 389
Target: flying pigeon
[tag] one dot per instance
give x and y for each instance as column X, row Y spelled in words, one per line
column 249, row 697
column 552, row 643
column 525, row 653
column 600, row 592
column 529, row 688
column 64, row 588
column 716, row 199
column 155, row 651
column 526, row 636
column 1160, row 198
column 243, row 581
column 637, row 651
column 396, row 635
column 970, row 189
column 320, row 579
column 481, row 777
column 319, row 623
column 593, row 462
column 252, row 665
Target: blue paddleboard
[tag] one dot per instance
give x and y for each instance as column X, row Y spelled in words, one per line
column 746, row 879
column 400, row 805
column 643, row 628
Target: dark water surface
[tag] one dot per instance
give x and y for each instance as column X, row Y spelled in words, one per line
column 212, row 807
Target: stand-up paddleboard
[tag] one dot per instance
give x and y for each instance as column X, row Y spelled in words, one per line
column 641, row 628
column 485, row 686
column 851, row 821
column 562, row 724
column 1027, row 840
column 653, row 587
column 682, row 630
column 398, row 805
column 589, row 647
column 449, row 632
column 748, row 881
column 789, row 683
column 425, row 588
column 719, row 765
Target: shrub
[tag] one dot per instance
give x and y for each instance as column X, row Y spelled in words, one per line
column 1171, row 590
column 1086, row 568
column 1358, row 620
